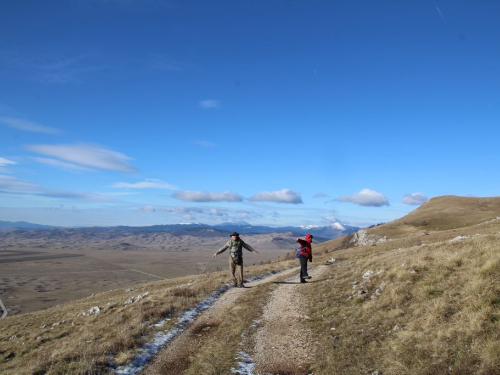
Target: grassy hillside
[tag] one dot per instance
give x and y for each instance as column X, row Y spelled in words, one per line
column 426, row 301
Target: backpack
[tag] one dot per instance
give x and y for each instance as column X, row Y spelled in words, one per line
column 298, row 251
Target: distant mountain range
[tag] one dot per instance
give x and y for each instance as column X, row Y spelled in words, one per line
column 8, row 226
column 180, row 237
column 328, row 232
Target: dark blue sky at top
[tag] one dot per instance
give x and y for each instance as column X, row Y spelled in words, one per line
column 382, row 94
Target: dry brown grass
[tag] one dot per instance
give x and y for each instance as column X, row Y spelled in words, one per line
column 437, row 309
column 59, row 341
column 431, row 306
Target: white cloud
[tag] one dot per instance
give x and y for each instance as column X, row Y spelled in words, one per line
column 84, row 155
column 150, row 183
column 147, row 209
column 366, row 197
column 415, row 199
column 199, row 196
column 281, row 196
column 27, row 126
column 4, row 162
column 209, row 104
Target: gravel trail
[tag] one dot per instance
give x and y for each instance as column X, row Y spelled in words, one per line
column 174, row 357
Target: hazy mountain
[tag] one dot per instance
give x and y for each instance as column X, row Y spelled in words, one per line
column 8, row 226
column 193, row 229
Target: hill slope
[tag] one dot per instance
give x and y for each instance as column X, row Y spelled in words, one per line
column 425, row 301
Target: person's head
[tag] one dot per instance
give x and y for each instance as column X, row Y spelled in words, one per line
column 234, row 235
column 309, row 238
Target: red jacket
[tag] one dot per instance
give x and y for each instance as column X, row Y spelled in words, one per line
column 306, row 247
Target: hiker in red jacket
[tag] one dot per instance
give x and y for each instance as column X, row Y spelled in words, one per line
column 305, row 255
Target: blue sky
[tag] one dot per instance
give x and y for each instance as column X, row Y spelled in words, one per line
column 129, row 112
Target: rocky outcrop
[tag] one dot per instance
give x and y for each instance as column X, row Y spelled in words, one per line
column 362, row 238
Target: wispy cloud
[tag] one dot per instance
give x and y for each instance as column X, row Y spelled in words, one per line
column 77, row 196
column 205, row 143
column 199, row 196
column 28, row 126
column 440, row 13
column 415, row 199
column 11, row 185
column 320, row 195
column 86, row 156
column 4, row 162
column 147, row 209
column 51, row 68
column 281, row 196
column 183, row 210
column 210, row 104
column 147, row 184
column 62, row 164
column 366, row 197
column 158, row 62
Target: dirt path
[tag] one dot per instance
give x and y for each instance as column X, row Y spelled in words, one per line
column 174, row 357
column 283, row 344
column 277, row 342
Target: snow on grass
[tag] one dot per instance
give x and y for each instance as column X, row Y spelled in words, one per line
column 149, row 349
column 161, row 338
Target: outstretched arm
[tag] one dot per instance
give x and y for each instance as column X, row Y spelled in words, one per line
column 221, row 250
column 248, row 247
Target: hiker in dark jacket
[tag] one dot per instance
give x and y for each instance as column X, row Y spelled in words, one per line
column 305, row 255
column 235, row 246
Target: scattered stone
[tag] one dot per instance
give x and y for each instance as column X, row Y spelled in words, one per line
column 93, row 311
column 459, row 238
column 44, row 326
column 367, row 274
column 13, row 337
column 362, row 238
column 396, row 328
column 136, row 298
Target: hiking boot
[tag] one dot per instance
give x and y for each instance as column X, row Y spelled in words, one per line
column 308, row 277
column 303, row 281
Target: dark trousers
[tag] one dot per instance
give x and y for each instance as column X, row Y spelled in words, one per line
column 236, row 271
column 303, row 267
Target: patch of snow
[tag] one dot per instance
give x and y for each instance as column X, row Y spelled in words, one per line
column 162, row 338
column 337, row 225
column 246, row 364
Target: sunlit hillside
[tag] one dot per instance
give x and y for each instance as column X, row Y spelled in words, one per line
column 421, row 296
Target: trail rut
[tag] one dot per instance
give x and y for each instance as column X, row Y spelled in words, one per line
column 278, row 342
